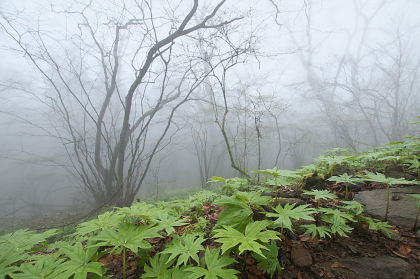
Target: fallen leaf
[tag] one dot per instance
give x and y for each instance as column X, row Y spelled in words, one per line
column 338, row 265
column 405, row 249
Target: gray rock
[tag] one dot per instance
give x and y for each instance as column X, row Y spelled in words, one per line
column 401, row 212
column 384, row 267
column 400, row 174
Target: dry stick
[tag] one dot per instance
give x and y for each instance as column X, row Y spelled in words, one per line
column 388, row 188
column 124, row 263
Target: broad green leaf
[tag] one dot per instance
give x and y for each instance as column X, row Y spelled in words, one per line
column 215, row 267
column 317, row 231
column 79, row 264
column 269, row 263
column 255, row 233
column 46, row 267
column 321, row 194
column 184, row 248
column 158, row 268
column 127, row 235
column 285, row 214
column 105, row 221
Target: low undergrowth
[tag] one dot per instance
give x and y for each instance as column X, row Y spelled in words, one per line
column 237, row 231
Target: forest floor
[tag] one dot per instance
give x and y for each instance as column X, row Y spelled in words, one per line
column 365, row 254
column 307, row 228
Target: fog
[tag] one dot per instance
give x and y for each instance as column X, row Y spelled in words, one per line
column 105, row 102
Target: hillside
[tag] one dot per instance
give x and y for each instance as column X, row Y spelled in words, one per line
column 293, row 224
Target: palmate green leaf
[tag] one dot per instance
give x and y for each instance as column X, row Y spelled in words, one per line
column 381, row 178
column 127, row 236
column 274, row 172
column 201, row 197
column 15, row 245
column 79, row 264
column 158, row 268
column 253, row 198
column 285, row 214
column 139, row 210
column 377, row 225
column 237, row 214
column 317, row 231
column 338, row 220
column 255, row 233
column 215, row 267
column 24, row 240
column 332, row 160
column 281, row 181
column 7, row 271
column 168, row 222
column 270, row 263
column 321, row 194
column 413, row 163
column 185, row 247
column 105, row 221
column 9, row 256
column 45, row 267
column 344, row 178
column 354, row 207
column 232, row 185
column 281, row 177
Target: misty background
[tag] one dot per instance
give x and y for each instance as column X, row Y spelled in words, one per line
column 273, row 84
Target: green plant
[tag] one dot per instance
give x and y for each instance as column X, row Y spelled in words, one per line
column 79, row 264
column 317, row 231
column 388, row 181
column 45, row 267
column 185, row 248
column 107, row 220
column 417, row 197
column 255, row 234
column 327, row 163
column 414, row 164
column 127, row 236
column 8, row 257
column 24, row 240
column 321, row 194
column 14, row 248
column 346, row 179
column 231, row 185
column 270, row 262
column 356, row 208
column 159, row 268
column 215, row 267
column 240, row 207
column 201, row 197
column 376, row 225
column 338, row 220
column 139, row 211
column 285, row 214
column 281, row 177
column 167, row 222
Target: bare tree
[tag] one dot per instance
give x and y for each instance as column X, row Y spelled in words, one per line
column 117, row 76
column 366, row 92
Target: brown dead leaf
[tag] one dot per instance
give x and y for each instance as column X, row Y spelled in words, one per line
column 308, row 238
column 405, row 249
column 338, row 265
